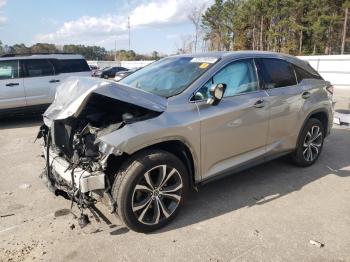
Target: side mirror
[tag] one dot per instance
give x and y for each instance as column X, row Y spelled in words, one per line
column 216, row 94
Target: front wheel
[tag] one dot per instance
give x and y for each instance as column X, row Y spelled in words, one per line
column 310, row 143
column 150, row 190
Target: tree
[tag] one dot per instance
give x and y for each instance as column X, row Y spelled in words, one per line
column 43, row 48
column 195, row 17
column 20, row 49
column 185, row 45
column 1, row 48
column 346, row 10
column 290, row 26
column 155, row 55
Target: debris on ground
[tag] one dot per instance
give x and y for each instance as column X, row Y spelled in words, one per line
column 83, row 220
column 7, row 215
column 19, row 254
column 62, row 212
column 316, row 243
column 256, row 232
column 24, row 186
column 72, row 226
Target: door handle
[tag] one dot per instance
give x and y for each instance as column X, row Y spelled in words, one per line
column 12, row 84
column 306, row 95
column 260, row 103
column 54, row 81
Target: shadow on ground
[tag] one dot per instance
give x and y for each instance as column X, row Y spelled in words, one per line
column 19, row 121
column 264, row 183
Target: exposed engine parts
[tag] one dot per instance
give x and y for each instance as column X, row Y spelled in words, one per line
column 75, row 141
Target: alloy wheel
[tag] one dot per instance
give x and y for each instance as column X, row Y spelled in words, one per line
column 157, row 195
column 312, row 143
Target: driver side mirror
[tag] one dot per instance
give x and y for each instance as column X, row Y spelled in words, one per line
column 216, row 94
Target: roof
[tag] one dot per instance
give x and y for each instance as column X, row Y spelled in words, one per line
column 40, row 56
column 230, row 55
column 236, row 54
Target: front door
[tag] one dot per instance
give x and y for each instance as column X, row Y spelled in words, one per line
column 234, row 131
column 11, row 85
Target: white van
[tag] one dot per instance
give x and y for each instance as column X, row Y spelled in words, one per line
column 28, row 82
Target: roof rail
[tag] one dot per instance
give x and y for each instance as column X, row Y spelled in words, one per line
column 29, row 54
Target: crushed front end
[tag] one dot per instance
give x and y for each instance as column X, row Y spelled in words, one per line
column 78, row 164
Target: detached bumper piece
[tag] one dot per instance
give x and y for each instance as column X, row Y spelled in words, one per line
column 83, row 181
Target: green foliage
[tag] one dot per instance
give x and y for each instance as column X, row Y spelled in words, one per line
column 89, row 52
column 290, row 26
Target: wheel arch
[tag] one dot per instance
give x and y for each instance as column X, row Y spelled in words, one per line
column 177, row 147
column 319, row 114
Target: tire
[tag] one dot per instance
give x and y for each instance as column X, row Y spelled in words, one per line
column 311, row 138
column 105, row 76
column 145, row 204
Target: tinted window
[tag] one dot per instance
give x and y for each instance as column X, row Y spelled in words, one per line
column 239, row 77
column 9, row 69
column 39, row 67
column 72, row 65
column 303, row 74
column 276, row 73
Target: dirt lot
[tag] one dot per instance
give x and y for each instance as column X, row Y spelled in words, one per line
column 268, row 213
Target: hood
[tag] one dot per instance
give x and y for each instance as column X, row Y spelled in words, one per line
column 73, row 93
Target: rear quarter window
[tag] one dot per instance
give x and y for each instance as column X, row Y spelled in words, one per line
column 303, row 74
column 72, row 66
column 276, row 73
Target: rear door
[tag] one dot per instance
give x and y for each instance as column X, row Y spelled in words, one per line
column 71, row 67
column 11, row 85
column 40, row 81
column 284, row 103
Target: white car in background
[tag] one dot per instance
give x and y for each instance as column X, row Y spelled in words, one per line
column 28, row 82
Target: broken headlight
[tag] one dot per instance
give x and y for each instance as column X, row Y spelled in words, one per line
column 105, row 148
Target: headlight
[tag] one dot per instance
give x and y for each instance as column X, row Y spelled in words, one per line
column 105, row 148
column 108, row 149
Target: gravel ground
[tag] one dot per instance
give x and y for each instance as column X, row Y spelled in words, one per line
column 268, row 213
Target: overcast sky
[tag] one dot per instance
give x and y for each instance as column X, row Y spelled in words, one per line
column 155, row 24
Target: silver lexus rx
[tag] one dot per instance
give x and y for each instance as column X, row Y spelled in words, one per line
column 141, row 144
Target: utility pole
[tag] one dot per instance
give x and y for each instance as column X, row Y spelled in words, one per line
column 115, row 50
column 344, row 30
column 129, row 23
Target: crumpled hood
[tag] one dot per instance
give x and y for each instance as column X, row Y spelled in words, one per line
column 73, row 93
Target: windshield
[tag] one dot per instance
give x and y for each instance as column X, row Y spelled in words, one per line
column 169, row 76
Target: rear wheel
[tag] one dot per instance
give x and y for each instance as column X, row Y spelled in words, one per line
column 310, row 143
column 150, row 190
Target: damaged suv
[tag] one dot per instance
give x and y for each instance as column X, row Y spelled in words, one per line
column 140, row 144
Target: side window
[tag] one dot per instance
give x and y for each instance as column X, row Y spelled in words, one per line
column 240, row 77
column 73, row 65
column 39, row 67
column 303, row 74
column 276, row 73
column 9, row 69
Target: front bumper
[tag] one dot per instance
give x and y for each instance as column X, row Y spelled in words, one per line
column 83, row 180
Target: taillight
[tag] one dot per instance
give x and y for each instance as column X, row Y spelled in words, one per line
column 330, row 89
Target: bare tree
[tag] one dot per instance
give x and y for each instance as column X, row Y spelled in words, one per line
column 185, row 45
column 195, row 17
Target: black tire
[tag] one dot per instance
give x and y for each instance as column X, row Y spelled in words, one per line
column 133, row 173
column 300, row 155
